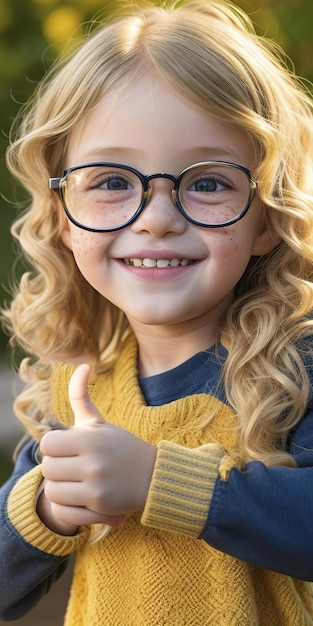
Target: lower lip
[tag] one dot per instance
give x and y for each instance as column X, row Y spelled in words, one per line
column 157, row 272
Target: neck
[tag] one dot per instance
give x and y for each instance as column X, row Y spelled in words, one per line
column 162, row 348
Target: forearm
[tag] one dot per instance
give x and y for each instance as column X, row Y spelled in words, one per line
column 264, row 516
column 26, row 544
column 260, row 515
column 20, row 592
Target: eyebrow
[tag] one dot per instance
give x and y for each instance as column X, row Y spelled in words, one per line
column 214, row 152
column 98, row 152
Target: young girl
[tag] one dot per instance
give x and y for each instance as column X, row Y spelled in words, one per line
column 170, row 243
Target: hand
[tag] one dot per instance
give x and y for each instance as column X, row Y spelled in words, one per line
column 95, row 472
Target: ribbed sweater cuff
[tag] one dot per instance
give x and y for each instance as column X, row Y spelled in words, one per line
column 182, row 487
column 21, row 510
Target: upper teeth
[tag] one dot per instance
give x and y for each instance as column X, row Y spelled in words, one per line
column 157, row 262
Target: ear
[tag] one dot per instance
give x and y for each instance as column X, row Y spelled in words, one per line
column 65, row 234
column 265, row 241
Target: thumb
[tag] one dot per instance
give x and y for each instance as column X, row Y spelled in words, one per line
column 85, row 412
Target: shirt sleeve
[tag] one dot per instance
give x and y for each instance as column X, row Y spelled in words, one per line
column 257, row 514
column 25, row 540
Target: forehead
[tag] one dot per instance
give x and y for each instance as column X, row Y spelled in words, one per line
column 150, row 120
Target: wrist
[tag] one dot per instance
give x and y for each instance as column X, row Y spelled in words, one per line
column 150, row 458
column 182, row 487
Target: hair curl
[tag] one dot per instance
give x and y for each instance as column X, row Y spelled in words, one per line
column 209, row 53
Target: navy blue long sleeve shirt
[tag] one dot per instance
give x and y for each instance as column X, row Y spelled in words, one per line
column 260, row 515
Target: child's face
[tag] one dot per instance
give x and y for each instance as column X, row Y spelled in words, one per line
column 154, row 130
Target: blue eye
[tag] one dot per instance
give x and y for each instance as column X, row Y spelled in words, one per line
column 208, row 185
column 115, row 183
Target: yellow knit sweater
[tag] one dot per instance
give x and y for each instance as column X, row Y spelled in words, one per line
column 142, row 573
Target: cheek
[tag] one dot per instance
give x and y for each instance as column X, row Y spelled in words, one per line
column 84, row 242
column 229, row 243
column 230, row 252
column 88, row 249
column 83, row 250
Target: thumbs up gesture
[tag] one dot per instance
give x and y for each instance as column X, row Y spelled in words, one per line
column 94, row 472
column 85, row 413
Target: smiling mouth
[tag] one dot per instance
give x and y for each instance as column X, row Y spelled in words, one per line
column 160, row 263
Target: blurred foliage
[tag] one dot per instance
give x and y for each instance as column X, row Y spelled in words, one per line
column 5, row 466
column 33, row 32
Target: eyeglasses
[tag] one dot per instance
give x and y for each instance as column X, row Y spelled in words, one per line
column 105, row 197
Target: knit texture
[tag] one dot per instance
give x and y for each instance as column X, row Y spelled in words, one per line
column 182, row 487
column 23, row 497
column 146, row 575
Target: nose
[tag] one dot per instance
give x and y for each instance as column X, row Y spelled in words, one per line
column 160, row 215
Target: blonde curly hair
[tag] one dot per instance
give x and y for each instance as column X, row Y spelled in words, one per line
column 210, row 54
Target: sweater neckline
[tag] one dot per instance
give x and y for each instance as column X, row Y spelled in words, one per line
column 201, row 373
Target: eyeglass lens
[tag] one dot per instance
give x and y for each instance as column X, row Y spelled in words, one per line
column 105, row 197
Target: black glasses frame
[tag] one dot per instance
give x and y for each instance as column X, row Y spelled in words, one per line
column 59, row 184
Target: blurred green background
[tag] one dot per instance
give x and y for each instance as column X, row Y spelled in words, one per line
column 33, row 32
